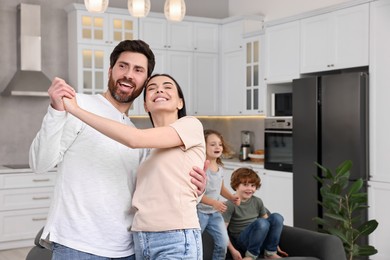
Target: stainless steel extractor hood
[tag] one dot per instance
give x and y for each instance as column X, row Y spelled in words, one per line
column 29, row 80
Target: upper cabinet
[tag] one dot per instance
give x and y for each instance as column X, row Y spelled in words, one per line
column 91, row 39
column 232, row 36
column 379, row 90
column 184, row 36
column 189, row 52
column 335, row 40
column 282, row 52
column 255, row 89
column 161, row 34
column 242, row 86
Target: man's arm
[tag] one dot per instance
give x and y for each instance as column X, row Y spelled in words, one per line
column 56, row 133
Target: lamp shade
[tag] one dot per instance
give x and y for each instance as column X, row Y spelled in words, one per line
column 175, row 10
column 138, row 8
column 96, row 6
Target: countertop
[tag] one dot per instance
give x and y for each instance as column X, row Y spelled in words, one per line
column 247, row 163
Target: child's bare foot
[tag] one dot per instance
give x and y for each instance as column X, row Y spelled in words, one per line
column 274, row 256
column 247, row 258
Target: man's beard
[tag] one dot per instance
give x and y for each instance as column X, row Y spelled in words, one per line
column 119, row 96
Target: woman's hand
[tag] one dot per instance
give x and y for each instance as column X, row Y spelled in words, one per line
column 70, row 104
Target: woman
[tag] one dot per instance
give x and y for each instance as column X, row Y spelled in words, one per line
column 165, row 224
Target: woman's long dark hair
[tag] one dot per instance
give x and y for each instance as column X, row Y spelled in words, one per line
column 181, row 112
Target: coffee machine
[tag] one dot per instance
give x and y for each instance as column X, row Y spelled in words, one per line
column 245, row 148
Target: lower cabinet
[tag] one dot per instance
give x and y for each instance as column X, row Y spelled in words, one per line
column 24, row 204
column 378, row 199
column 276, row 189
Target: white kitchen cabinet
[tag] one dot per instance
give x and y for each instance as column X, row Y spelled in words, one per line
column 188, row 51
column 232, row 36
column 243, row 88
column 379, row 90
column 335, row 40
column 276, row 189
column 205, row 84
column 184, row 36
column 282, row 52
column 255, row 88
column 162, row 34
column 233, row 83
column 378, row 199
column 379, row 184
column 91, row 39
column 178, row 64
column 24, row 204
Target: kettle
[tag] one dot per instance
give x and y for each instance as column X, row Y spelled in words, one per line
column 245, row 148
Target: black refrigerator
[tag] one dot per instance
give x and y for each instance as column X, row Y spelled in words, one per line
column 330, row 119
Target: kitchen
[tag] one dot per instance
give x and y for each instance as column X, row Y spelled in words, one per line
column 24, row 114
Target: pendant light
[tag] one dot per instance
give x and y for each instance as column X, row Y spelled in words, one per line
column 96, row 6
column 174, row 10
column 138, row 8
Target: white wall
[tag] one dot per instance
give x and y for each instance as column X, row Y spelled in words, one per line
column 276, row 9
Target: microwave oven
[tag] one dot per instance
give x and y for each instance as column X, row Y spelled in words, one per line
column 281, row 104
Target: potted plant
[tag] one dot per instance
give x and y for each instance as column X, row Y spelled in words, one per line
column 343, row 202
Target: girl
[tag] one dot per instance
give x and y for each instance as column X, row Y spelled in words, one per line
column 211, row 206
column 165, row 224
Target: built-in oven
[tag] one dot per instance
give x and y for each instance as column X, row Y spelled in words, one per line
column 278, row 144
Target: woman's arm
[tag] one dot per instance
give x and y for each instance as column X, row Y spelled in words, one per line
column 160, row 137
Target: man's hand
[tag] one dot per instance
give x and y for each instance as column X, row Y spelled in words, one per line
column 199, row 177
column 58, row 90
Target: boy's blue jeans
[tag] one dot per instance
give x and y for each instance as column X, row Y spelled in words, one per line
column 214, row 224
column 262, row 234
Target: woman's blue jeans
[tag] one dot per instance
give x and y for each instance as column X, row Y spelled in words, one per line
column 214, row 224
column 184, row 244
column 262, row 234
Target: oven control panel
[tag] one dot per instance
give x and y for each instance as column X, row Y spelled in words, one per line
column 278, row 123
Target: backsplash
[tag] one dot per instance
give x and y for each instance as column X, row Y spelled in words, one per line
column 230, row 128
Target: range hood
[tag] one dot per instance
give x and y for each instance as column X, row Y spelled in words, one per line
column 29, row 80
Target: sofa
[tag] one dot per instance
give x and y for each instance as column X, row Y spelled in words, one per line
column 300, row 244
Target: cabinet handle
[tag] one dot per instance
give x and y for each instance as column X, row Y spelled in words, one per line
column 39, row 219
column 41, row 180
column 41, row 198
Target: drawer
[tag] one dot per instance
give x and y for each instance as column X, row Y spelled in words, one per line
column 27, row 180
column 21, row 224
column 28, row 198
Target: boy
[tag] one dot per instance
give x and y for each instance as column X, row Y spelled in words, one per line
column 251, row 229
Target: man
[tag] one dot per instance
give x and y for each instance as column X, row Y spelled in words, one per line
column 90, row 214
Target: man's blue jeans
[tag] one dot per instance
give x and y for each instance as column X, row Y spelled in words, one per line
column 214, row 224
column 61, row 252
column 262, row 234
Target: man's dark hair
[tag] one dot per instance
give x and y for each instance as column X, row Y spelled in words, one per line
column 137, row 46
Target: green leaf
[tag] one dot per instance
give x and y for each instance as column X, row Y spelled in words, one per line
column 366, row 250
column 368, row 227
column 356, row 186
column 344, row 167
